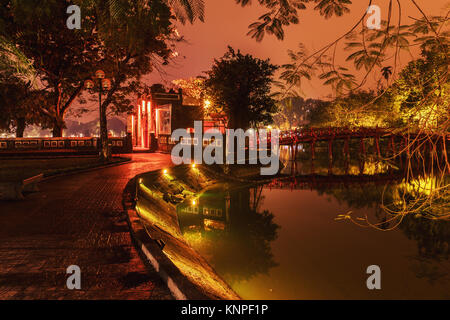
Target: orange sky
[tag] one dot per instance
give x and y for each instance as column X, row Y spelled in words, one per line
column 226, row 23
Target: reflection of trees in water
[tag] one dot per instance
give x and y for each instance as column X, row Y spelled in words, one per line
column 246, row 252
column 246, row 248
column 432, row 234
column 433, row 238
column 243, row 249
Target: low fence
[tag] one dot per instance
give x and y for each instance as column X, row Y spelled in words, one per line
column 63, row 145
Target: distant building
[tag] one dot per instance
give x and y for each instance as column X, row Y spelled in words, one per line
column 158, row 114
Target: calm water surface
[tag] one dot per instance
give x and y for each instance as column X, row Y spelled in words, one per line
column 269, row 242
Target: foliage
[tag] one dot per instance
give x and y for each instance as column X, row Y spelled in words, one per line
column 359, row 109
column 283, row 13
column 421, row 93
column 125, row 44
column 14, row 62
column 37, row 29
column 192, row 87
column 294, row 112
column 241, row 84
column 188, row 10
column 18, row 104
column 17, row 98
column 184, row 10
column 369, row 50
column 419, row 98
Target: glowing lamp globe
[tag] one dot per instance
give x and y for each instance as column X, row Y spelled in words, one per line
column 99, row 74
column 106, row 84
column 89, row 84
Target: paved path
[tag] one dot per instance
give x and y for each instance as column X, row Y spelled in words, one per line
column 75, row 220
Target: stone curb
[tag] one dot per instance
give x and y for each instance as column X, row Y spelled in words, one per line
column 180, row 287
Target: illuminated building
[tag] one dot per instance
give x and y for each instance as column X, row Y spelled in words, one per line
column 158, row 114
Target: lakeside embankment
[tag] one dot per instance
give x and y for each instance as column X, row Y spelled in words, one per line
column 158, row 193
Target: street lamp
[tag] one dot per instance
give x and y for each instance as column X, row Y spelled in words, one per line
column 103, row 84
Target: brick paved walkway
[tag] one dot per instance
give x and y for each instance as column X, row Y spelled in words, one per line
column 76, row 220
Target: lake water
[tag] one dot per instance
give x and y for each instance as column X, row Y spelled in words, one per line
column 287, row 240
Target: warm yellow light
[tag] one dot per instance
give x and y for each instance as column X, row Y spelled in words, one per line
column 165, row 171
column 269, row 127
column 140, row 181
column 89, row 84
column 99, row 74
column 193, row 165
column 207, row 103
column 194, row 202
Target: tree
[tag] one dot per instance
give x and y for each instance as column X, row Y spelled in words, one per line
column 283, row 13
column 17, row 79
column 125, row 44
column 192, row 87
column 135, row 41
column 62, row 58
column 420, row 94
column 17, row 104
column 294, row 112
column 185, row 10
column 241, row 84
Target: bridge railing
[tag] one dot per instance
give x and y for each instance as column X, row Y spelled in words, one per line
column 63, row 144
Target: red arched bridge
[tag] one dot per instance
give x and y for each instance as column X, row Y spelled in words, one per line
column 397, row 139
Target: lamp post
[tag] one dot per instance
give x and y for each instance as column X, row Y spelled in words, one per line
column 103, row 84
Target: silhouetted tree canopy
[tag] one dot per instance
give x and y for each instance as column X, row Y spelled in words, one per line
column 241, row 84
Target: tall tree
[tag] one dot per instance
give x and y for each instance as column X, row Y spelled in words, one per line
column 421, row 93
column 241, row 84
column 61, row 57
column 133, row 41
column 126, row 44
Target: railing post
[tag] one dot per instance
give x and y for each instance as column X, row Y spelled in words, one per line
column 393, row 145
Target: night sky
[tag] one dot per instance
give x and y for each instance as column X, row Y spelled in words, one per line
column 226, row 23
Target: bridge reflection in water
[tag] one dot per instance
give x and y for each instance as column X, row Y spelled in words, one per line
column 285, row 240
